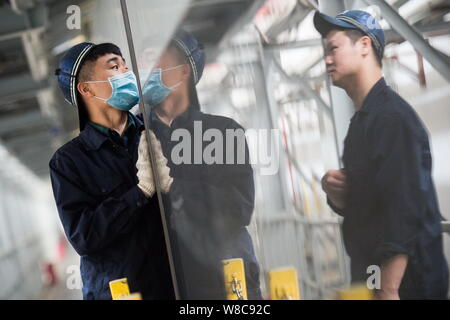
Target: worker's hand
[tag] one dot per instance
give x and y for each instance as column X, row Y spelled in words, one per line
column 145, row 174
column 334, row 183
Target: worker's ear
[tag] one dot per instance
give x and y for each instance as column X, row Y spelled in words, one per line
column 84, row 89
column 365, row 44
column 186, row 72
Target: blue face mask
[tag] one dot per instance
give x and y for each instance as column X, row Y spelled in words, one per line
column 155, row 91
column 124, row 95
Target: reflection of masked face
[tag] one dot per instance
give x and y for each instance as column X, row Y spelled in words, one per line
column 154, row 90
column 124, row 95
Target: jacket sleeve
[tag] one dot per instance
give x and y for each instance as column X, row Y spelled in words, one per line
column 400, row 184
column 340, row 212
column 224, row 198
column 88, row 224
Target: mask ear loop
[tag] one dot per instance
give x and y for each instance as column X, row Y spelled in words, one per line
column 172, row 68
column 159, row 71
column 169, row 69
column 176, row 85
column 98, row 81
column 95, row 81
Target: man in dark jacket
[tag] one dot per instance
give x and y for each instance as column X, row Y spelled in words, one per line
column 107, row 208
column 385, row 191
column 211, row 202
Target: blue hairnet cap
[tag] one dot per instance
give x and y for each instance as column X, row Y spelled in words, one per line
column 193, row 50
column 353, row 19
column 67, row 72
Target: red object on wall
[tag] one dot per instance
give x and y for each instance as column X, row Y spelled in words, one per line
column 49, row 275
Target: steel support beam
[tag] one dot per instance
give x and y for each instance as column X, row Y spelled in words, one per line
column 439, row 61
column 342, row 105
column 13, row 87
column 241, row 22
column 15, row 122
column 267, row 118
column 433, row 30
column 305, row 88
column 14, row 25
column 295, row 17
column 295, row 44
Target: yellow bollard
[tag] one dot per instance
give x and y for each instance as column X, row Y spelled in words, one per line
column 283, row 284
column 356, row 292
column 119, row 288
column 234, row 276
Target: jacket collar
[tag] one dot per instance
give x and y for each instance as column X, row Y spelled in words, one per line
column 371, row 98
column 93, row 139
column 187, row 117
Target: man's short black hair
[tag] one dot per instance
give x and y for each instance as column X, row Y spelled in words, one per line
column 86, row 71
column 98, row 51
column 355, row 35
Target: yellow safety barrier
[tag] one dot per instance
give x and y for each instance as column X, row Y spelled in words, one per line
column 119, row 288
column 356, row 292
column 133, row 296
column 234, row 276
column 283, row 284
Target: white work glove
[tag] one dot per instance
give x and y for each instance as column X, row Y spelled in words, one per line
column 145, row 174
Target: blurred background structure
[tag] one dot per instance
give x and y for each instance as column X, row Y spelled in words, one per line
column 264, row 69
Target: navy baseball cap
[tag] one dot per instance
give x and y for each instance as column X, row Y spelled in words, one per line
column 353, row 19
column 69, row 67
column 193, row 50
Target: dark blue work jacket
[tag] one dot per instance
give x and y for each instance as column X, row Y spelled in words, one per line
column 210, row 204
column 118, row 233
column 114, row 228
column 391, row 205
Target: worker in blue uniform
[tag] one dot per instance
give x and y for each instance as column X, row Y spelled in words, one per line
column 385, row 191
column 102, row 179
column 104, row 189
column 211, row 204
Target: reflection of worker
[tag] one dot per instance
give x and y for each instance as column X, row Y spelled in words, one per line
column 211, row 204
column 107, row 208
column 385, row 191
